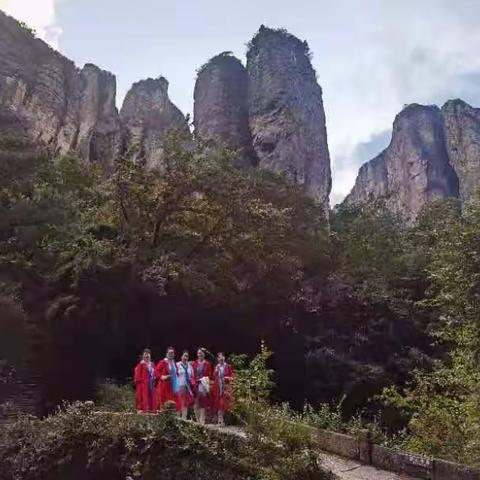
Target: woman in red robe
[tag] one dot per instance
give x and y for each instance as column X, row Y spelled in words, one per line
column 145, row 377
column 167, row 374
column 222, row 395
column 203, row 372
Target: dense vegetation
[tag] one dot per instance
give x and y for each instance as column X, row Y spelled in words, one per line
column 379, row 316
column 108, row 441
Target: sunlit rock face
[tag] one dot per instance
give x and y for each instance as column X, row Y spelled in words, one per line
column 462, row 133
column 148, row 117
column 59, row 106
column 221, row 106
column 271, row 113
column 287, row 118
column 414, row 169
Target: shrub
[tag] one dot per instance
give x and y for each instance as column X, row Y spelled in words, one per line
column 115, row 398
column 278, row 440
column 78, row 442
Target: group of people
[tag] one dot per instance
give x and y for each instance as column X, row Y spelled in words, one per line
column 187, row 384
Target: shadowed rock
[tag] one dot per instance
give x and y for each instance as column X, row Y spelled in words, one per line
column 462, row 133
column 148, row 117
column 287, row 119
column 221, row 105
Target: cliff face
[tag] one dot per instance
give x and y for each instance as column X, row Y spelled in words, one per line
column 56, row 105
column 414, row 169
column 221, row 105
column 270, row 112
column 148, row 116
column 372, row 180
column 462, row 132
column 286, row 113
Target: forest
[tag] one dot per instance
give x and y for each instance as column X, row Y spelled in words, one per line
column 365, row 314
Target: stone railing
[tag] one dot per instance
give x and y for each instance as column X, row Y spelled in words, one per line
column 362, row 449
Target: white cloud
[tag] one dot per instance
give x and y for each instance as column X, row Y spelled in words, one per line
column 411, row 52
column 37, row 14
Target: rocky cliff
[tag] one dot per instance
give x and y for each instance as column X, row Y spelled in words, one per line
column 414, row 169
column 56, row 105
column 221, row 105
column 270, row 112
column 462, row 133
column 286, row 113
column 148, row 116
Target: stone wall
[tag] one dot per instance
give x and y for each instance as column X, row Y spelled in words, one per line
column 362, row 449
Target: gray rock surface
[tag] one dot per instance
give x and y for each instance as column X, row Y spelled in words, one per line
column 287, row 118
column 414, row 169
column 462, row 133
column 271, row 113
column 56, row 105
column 221, row 105
column 148, row 117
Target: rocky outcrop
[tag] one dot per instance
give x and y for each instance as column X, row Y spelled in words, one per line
column 271, row 112
column 287, row 118
column 414, row 169
column 148, row 116
column 462, row 133
column 56, row 105
column 221, row 105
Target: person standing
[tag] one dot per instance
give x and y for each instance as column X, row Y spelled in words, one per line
column 145, row 377
column 186, row 384
column 203, row 372
column 222, row 395
column 167, row 373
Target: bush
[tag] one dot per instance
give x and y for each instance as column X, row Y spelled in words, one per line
column 278, row 439
column 325, row 416
column 115, row 398
column 78, row 442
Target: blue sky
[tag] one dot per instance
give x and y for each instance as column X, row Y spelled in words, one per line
column 371, row 56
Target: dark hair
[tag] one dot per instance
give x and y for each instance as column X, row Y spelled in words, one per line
column 170, row 348
column 220, row 353
column 147, row 350
column 185, row 352
column 202, row 349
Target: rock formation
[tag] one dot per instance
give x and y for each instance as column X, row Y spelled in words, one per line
column 414, row 169
column 221, row 105
column 287, row 119
column 462, row 133
column 270, row 112
column 56, row 105
column 148, row 116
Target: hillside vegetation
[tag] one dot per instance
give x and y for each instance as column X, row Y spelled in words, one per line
column 205, row 252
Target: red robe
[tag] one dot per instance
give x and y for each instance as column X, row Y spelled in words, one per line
column 144, row 401
column 165, row 388
column 222, row 401
column 204, row 401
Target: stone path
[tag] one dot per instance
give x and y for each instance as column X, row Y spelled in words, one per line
column 343, row 468
column 350, row 470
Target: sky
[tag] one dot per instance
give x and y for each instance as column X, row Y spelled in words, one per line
column 371, row 56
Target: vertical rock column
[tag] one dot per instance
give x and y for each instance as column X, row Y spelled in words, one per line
column 148, row 116
column 221, row 106
column 287, row 118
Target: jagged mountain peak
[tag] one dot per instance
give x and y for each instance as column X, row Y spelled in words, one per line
column 434, row 153
column 270, row 111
